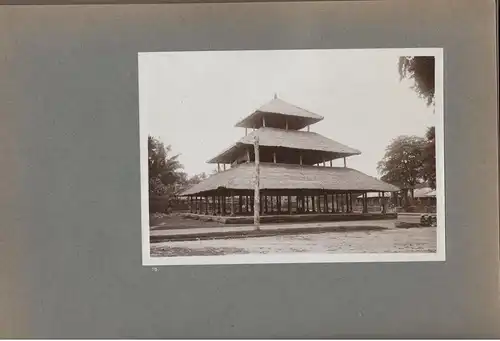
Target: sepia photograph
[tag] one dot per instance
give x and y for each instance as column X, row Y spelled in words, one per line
column 290, row 156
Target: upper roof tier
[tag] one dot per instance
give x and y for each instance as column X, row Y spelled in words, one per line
column 279, row 114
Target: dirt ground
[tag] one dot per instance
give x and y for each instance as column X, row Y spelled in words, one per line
column 396, row 240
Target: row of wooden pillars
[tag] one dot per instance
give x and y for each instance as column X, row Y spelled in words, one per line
column 248, row 159
column 276, row 204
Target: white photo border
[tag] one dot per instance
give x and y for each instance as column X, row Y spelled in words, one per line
column 439, row 255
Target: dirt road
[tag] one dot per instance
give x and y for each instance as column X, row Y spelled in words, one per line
column 386, row 241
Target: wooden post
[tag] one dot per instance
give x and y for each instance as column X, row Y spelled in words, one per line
column 206, row 205
column 218, row 167
column 256, row 215
column 286, row 123
column 278, row 203
column 325, row 199
column 246, row 131
column 240, row 204
column 300, row 159
column 263, row 121
column 214, row 209
column 313, row 203
column 274, row 157
column 289, row 205
column 307, row 128
column 345, row 162
column 251, row 200
column 224, row 165
column 248, row 155
column 232, row 204
column 331, row 163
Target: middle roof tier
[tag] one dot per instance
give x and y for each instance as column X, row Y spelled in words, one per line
column 285, row 146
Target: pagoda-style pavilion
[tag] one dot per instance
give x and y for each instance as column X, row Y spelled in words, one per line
column 296, row 172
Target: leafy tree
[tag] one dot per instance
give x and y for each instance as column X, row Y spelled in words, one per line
column 195, row 179
column 422, row 70
column 186, row 182
column 403, row 163
column 429, row 158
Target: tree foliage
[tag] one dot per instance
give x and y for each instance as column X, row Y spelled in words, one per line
column 421, row 70
column 429, row 158
column 166, row 173
column 402, row 164
column 410, row 161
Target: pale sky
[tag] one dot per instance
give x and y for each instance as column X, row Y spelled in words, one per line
column 192, row 100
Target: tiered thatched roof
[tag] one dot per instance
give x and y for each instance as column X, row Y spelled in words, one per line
column 292, row 153
column 275, row 176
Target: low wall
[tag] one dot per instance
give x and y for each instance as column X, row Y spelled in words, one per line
column 167, row 205
column 295, row 218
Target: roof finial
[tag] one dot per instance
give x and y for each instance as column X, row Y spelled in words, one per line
column 275, row 95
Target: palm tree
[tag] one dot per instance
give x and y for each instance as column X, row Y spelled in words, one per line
column 164, row 171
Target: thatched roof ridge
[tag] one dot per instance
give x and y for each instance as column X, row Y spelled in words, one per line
column 273, row 137
column 286, row 176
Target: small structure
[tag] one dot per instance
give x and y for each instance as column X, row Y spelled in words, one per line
column 296, row 172
column 375, row 200
column 425, row 196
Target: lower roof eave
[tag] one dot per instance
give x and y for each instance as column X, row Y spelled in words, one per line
column 285, row 177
